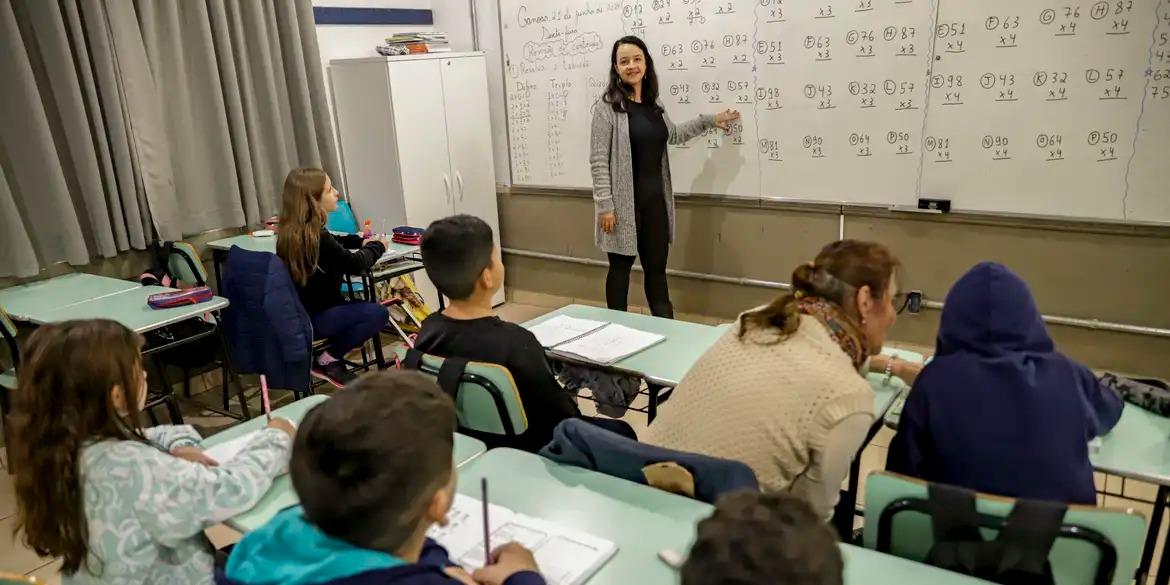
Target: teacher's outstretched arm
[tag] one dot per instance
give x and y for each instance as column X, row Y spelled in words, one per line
column 683, row 133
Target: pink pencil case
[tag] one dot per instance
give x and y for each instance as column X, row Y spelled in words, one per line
column 191, row 296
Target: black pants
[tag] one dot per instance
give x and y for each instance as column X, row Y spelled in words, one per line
column 653, row 227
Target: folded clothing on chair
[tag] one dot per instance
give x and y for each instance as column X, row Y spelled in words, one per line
column 177, row 298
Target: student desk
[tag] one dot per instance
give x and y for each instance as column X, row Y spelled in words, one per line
column 281, row 495
column 1138, row 447
column 642, row 520
column 130, row 309
column 662, row 365
column 394, row 252
column 28, row 300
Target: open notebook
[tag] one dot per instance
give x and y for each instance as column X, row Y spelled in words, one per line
column 565, row 557
column 592, row 341
column 227, row 450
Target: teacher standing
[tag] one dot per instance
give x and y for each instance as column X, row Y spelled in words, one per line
column 631, row 174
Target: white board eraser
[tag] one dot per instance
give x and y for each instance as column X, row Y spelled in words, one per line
column 914, row 209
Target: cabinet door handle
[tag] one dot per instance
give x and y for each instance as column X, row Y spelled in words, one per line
column 447, row 188
column 459, row 178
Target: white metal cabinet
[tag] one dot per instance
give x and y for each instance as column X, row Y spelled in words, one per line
column 416, row 140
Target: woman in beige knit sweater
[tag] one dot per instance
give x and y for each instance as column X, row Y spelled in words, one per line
column 782, row 391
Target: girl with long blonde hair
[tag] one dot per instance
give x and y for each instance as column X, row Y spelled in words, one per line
column 318, row 261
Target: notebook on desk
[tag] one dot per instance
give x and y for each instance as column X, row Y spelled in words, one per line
column 565, row 556
column 592, row 341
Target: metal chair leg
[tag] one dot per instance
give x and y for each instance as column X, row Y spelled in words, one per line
column 229, row 373
column 173, row 409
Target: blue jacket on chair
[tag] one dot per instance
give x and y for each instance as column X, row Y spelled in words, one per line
column 268, row 329
column 577, row 442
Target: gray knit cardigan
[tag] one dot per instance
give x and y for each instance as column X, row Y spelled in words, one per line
column 613, row 173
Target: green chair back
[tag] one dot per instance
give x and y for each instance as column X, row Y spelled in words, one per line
column 185, row 265
column 488, row 400
column 1074, row 561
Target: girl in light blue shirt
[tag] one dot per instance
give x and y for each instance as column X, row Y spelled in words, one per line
column 117, row 503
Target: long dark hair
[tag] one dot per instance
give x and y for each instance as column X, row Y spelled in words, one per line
column 618, row 93
column 62, row 402
column 838, row 271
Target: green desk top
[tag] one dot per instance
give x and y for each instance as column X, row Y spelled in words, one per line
column 664, row 363
column 29, row 301
column 888, row 398
column 641, row 520
column 1138, row 447
column 268, row 244
column 130, row 309
column 281, row 495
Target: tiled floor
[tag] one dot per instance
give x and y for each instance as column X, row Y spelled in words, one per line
column 15, row 557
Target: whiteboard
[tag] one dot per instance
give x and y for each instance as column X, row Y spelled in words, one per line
column 1053, row 107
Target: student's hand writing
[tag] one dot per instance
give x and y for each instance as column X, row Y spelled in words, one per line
column 458, row 574
column 381, row 239
column 608, row 221
column 195, row 455
column 509, row 559
column 283, row 425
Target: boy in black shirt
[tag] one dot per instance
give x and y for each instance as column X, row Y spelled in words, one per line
column 464, row 263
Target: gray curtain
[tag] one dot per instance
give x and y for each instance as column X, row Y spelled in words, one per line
column 123, row 120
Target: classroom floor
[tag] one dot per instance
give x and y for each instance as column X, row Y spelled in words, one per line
column 15, row 557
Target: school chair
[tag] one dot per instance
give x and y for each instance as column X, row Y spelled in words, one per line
column 342, row 219
column 8, row 378
column 268, row 329
column 1097, row 546
column 183, row 263
column 583, row 444
column 487, row 402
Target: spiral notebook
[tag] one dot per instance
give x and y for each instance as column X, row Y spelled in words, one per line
column 565, row 556
column 596, row 342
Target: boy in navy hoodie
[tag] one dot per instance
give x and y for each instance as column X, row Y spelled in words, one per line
column 372, row 467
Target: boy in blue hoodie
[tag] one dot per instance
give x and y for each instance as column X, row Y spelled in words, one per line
column 999, row 409
column 373, row 469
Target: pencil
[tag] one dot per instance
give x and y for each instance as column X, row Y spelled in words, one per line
column 487, row 545
column 264, row 403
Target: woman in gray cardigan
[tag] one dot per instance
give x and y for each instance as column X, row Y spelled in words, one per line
column 631, row 174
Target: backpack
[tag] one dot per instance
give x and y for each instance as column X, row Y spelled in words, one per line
column 158, row 273
column 1017, row 556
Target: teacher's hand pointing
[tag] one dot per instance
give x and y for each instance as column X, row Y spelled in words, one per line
column 724, row 119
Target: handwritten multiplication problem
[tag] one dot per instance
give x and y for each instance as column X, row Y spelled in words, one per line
column 939, row 148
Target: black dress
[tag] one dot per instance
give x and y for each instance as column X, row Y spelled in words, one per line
column 648, row 137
